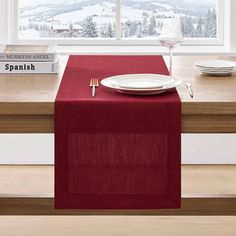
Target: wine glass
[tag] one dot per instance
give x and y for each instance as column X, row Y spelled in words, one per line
column 171, row 36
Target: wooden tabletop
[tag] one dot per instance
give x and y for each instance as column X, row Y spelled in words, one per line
column 27, row 101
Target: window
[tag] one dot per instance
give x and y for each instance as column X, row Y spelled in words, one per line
column 67, row 19
column 143, row 19
column 117, row 21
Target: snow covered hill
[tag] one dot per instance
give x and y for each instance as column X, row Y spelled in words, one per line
column 47, row 15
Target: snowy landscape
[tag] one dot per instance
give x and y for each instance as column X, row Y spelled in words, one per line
column 97, row 18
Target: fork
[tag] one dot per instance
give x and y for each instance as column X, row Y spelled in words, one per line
column 93, row 84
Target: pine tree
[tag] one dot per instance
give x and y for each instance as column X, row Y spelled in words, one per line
column 145, row 25
column 210, row 27
column 89, row 28
column 71, row 31
column 138, row 30
column 152, row 26
column 106, row 31
column 187, row 26
column 159, row 27
column 110, row 31
column 133, row 27
column 36, row 27
column 199, row 30
column 127, row 33
column 103, row 31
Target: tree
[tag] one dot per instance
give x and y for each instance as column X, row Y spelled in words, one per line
column 138, row 32
column 210, row 27
column 152, row 26
column 89, row 28
column 110, row 31
column 159, row 27
column 107, row 31
column 145, row 25
column 71, row 33
column 103, row 31
column 133, row 27
column 36, row 27
column 127, row 33
column 187, row 26
column 199, row 30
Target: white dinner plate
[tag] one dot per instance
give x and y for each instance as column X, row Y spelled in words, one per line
column 113, row 83
column 150, row 91
column 215, row 68
column 220, row 74
column 143, row 93
column 141, row 81
column 216, row 64
column 216, row 72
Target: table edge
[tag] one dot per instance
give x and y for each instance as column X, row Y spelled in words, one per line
column 47, row 108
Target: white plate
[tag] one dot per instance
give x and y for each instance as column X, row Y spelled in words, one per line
column 141, row 81
column 217, row 74
column 109, row 83
column 143, row 93
column 215, row 68
column 150, row 91
column 216, row 64
column 216, row 71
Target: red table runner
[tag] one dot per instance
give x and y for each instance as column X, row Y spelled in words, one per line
column 116, row 151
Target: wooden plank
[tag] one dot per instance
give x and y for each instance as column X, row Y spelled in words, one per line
column 117, row 225
column 190, row 207
column 197, row 180
column 207, row 190
column 26, row 124
column 209, row 124
column 26, row 108
column 45, row 123
column 47, row 108
column 208, row 108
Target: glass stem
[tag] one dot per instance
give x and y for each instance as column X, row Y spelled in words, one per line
column 171, row 61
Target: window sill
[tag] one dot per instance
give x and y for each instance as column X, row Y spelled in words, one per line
column 143, row 50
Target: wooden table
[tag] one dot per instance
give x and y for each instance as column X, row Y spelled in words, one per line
column 27, row 101
column 27, row 106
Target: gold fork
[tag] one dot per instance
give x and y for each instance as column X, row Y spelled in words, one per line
column 94, row 83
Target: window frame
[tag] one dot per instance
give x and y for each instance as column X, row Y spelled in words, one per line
column 12, row 35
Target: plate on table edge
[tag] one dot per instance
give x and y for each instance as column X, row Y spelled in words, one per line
column 122, row 81
column 215, row 64
column 108, row 84
column 143, row 93
column 216, row 71
column 142, row 81
column 217, row 74
column 214, row 68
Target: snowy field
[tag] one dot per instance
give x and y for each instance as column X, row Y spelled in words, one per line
column 96, row 18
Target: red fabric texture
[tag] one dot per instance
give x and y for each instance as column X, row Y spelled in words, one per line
column 116, row 151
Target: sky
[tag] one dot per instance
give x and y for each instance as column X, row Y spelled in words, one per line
column 36, row 2
column 201, row 1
